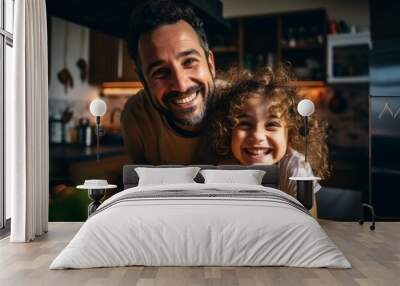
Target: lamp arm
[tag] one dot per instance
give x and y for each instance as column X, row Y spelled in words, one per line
column 305, row 136
column 97, row 137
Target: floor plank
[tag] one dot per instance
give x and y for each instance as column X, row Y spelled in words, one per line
column 374, row 255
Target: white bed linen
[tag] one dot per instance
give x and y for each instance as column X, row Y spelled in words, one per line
column 200, row 231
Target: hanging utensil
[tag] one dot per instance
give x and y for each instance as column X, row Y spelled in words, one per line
column 65, row 76
column 81, row 63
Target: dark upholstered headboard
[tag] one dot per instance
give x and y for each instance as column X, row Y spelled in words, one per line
column 270, row 179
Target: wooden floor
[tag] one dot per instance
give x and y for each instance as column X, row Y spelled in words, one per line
column 374, row 255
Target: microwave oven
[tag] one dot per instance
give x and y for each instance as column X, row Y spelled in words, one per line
column 348, row 57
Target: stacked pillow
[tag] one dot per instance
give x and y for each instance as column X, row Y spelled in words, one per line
column 248, row 177
column 184, row 175
column 162, row 176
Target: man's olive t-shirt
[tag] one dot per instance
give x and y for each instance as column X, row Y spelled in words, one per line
column 150, row 139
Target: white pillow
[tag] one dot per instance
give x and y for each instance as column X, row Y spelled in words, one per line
column 248, row 177
column 163, row 176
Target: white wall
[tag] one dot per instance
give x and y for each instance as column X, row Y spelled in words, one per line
column 352, row 11
column 81, row 94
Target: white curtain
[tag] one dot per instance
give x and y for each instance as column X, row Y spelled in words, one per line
column 27, row 124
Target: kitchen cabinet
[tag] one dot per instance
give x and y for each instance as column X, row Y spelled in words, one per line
column 296, row 38
column 109, row 60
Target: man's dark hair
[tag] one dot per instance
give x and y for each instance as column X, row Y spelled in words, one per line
column 155, row 13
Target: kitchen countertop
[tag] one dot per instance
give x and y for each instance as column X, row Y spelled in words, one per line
column 81, row 153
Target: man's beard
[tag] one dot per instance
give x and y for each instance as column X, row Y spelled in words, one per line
column 207, row 99
column 189, row 120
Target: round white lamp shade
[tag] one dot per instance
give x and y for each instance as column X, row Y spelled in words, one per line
column 98, row 107
column 305, row 107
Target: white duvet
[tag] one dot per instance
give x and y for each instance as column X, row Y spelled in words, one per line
column 183, row 231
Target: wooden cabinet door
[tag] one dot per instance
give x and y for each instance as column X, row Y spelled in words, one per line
column 128, row 67
column 109, row 60
column 103, row 58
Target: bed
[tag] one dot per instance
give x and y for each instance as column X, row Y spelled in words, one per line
column 201, row 224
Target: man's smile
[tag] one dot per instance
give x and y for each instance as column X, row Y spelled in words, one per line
column 188, row 100
column 185, row 99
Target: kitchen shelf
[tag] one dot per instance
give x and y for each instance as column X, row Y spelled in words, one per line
column 263, row 40
column 122, row 84
column 120, row 88
column 301, row 47
column 307, row 83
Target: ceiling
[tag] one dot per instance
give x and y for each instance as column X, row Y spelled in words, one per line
column 112, row 17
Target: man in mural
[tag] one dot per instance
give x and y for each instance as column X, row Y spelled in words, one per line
column 163, row 123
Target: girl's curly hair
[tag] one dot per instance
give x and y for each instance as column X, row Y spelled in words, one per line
column 273, row 85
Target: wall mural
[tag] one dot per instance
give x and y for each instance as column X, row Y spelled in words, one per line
column 193, row 108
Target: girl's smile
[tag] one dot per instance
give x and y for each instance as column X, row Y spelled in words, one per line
column 257, row 152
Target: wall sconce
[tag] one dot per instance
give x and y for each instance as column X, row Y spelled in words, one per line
column 98, row 108
column 305, row 108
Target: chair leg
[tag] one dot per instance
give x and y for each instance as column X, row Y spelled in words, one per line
column 371, row 208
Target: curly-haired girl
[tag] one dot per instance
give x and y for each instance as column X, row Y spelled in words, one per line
column 255, row 122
